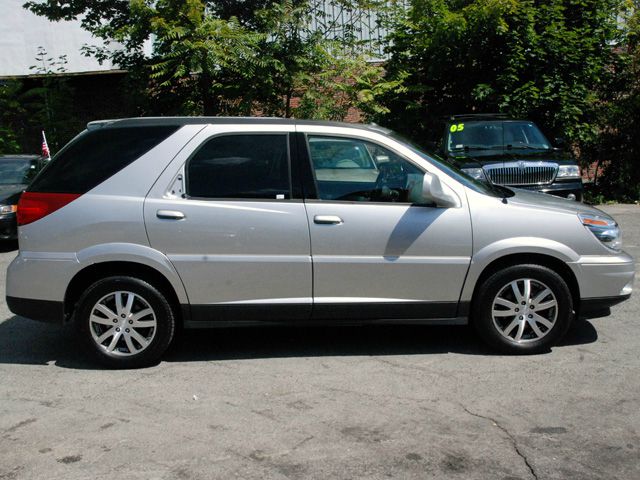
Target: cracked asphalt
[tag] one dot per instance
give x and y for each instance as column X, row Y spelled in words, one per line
column 327, row 403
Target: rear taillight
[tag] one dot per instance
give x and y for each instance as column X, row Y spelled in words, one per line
column 33, row 206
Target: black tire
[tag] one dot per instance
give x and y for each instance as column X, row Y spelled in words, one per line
column 530, row 341
column 145, row 296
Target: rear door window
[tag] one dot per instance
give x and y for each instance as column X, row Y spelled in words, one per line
column 247, row 166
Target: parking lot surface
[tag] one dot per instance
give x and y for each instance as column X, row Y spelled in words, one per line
column 344, row 403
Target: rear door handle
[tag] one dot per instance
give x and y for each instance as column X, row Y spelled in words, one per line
column 327, row 220
column 170, row 214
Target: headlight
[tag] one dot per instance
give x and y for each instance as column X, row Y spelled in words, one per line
column 568, row 171
column 4, row 209
column 476, row 173
column 605, row 229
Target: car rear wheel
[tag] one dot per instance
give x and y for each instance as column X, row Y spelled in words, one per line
column 523, row 309
column 125, row 322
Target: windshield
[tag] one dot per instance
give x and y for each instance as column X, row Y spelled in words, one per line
column 452, row 170
column 495, row 135
column 14, row 172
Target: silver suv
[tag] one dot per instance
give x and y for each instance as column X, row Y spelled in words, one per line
column 140, row 226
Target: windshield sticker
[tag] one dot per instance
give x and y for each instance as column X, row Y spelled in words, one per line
column 456, row 128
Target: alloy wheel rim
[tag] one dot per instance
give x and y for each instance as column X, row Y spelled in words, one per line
column 524, row 310
column 123, row 323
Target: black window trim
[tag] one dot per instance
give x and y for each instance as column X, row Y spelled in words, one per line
column 286, row 134
column 304, row 168
column 317, row 198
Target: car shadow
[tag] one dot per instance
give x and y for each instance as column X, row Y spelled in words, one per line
column 8, row 246
column 28, row 342
column 581, row 332
column 319, row 341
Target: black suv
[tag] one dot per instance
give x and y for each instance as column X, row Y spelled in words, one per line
column 505, row 151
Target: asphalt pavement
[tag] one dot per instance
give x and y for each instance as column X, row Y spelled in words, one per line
column 327, row 403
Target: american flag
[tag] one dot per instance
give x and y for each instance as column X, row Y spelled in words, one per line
column 45, row 147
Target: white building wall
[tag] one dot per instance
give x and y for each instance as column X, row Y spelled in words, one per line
column 22, row 32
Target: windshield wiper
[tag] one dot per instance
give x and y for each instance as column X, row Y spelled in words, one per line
column 472, row 147
column 527, row 147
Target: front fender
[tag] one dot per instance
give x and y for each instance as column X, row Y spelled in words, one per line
column 510, row 246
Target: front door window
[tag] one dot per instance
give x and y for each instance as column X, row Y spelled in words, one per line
column 350, row 169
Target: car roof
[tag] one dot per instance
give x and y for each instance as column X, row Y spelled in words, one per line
column 180, row 121
column 485, row 117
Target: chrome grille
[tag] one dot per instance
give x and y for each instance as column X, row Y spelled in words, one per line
column 521, row 173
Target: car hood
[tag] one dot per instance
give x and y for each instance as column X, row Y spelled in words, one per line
column 529, row 198
column 11, row 193
column 486, row 157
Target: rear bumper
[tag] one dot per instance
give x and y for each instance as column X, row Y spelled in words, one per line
column 43, row 275
column 41, row 310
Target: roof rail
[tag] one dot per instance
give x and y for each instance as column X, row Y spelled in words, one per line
column 195, row 120
column 478, row 116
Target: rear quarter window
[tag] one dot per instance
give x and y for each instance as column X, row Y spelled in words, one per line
column 95, row 156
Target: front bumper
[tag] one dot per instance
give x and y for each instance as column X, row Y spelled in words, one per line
column 599, row 307
column 559, row 189
column 563, row 189
column 604, row 281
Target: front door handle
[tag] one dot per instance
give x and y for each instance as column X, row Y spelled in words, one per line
column 327, row 220
column 170, row 214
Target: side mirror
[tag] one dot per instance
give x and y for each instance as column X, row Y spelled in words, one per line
column 433, row 191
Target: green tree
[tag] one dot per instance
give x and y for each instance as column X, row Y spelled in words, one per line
column 617, row 147
column 234, row 57
column 43, row 102
column 196, row 55
column 49, row 103
column 542, row 59
column 10, row 110
column 313, row 71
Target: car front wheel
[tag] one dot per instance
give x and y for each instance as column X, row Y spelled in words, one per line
column 523, row 309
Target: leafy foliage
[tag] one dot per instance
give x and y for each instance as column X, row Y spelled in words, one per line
column 27, row 107
column 311, row 73
column 617, row 147
column 541, row 59
column 570, row 65
column 197, row 53
column 234, row 57
column 10, row 107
